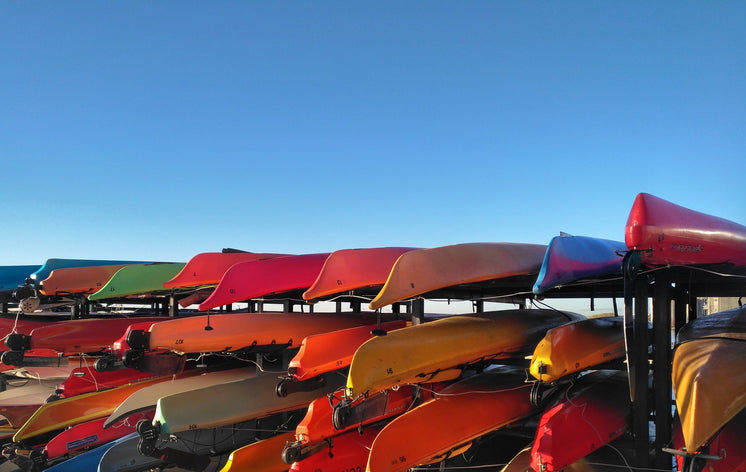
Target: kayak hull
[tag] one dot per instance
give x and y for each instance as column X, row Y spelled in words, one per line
column 709, row 384
column 576, row 346
column 421, row 352
column 572, row 258
column 460, row 413
column 347, row 270
column 208, row 268
column 261, row 278
column 421, row 271
column 667, row 233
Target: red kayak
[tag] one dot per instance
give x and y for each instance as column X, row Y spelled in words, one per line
column 256, row 279
column 86, row 379
column 352, row 269
column 348, row 452
column 321, row 422
column 723, row 453
column 91, row 434
column 10, row 325
column 666, row 233
column 592, row 413
column 208, row 268
column 74, row 336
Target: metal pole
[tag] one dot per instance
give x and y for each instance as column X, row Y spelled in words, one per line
column 662, row 385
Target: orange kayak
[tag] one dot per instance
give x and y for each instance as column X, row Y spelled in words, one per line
column 256, row 279
column 208, row 268
column 232, row 332
column 260, row 456
column 347, row 270
column 326, row 352
column 426, row 270
column 576, row 346
column 459, row 414
column 78, row 279
column 66, row 412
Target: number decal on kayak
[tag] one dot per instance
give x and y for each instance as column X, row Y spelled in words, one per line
column 389, row 370
column 179, row 341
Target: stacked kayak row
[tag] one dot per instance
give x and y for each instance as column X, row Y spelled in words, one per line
column 344, row 390
column 532, row 389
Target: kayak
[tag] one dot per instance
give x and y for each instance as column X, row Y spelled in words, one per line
column 261, row 278
column 576, row 346
column 140, row 279
column 436, row 350
column 147, row 397
column 22, row 397
column 347, row 270
column 724, row 452
column 78, row 280
column 13, row 276
column 240, row 400
column 207, row 268
column 66, row 412
column 85, row 379
column 421, row 271
column 708, row 378
column 322, row 423
column 348, row 452
column 457, row 415
column 667, row 233
column 572, row 258
column 709, row 384
column 55, row 263
column 259, row 456
column 232, row 332
column 122, row 455
column 90, row 434
column 326, row 352
column 730, row 324
column 74, row 336
column 591, row 413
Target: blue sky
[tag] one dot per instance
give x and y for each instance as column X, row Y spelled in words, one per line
column 159, row 130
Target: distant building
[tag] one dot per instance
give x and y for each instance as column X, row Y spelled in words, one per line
column 710, row 305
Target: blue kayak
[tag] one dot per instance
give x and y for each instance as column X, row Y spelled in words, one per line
column 123, row 455
column 572, row 258
column 13, row 276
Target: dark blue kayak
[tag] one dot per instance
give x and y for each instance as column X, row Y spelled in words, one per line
column 13, row 276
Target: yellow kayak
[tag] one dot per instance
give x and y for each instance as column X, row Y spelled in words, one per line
column 78, row 409
column 709, row 382
column 437, row 350
column 576, row 346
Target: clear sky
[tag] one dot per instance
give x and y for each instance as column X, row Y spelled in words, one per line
column 158, row 130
